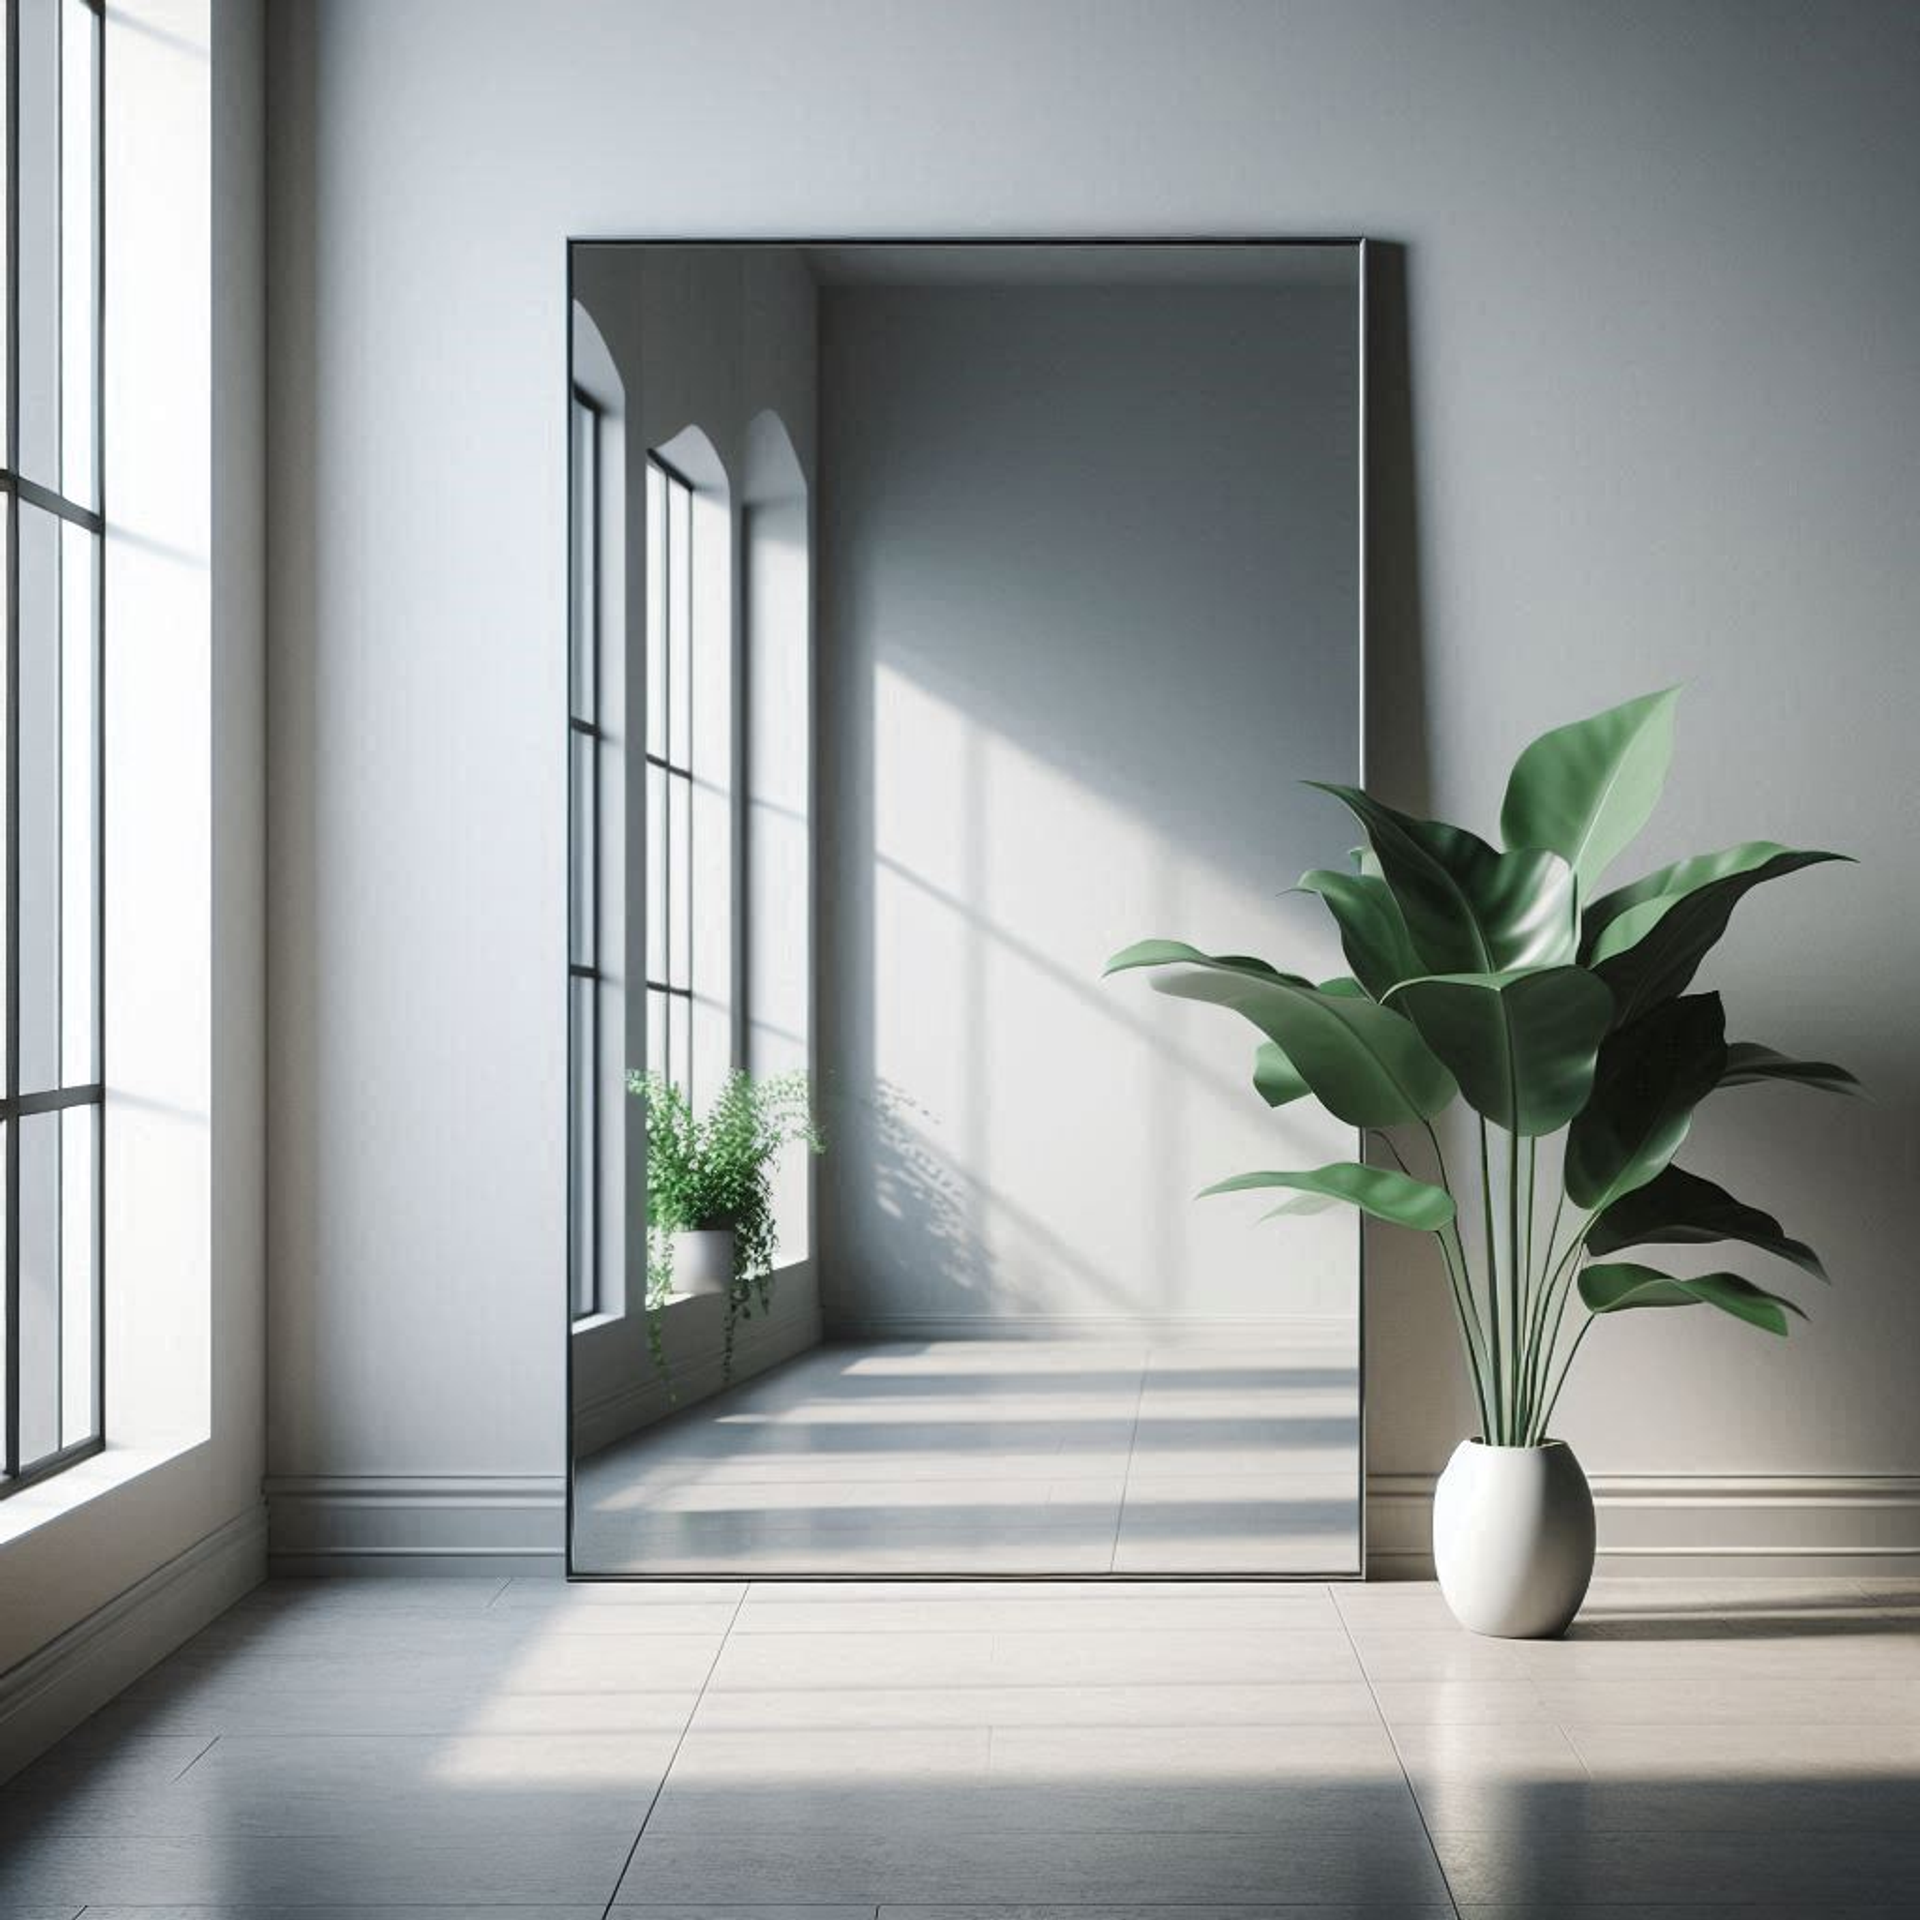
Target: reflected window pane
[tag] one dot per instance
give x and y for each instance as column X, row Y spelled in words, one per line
column 680, row 1047
column 680, row 625
column 658, row 808
column 656, row 612
column 584, row 881
column 680, row 882
column 658, row 1020
column 585, row 577
column 584, row 1049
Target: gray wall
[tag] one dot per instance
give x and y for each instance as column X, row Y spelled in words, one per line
column 1662, row 422
column 1090, row 612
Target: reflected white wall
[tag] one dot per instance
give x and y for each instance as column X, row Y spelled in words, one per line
column 1090, row 602
column 777, row 574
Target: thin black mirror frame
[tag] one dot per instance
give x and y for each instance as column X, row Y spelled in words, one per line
column 1367, row 256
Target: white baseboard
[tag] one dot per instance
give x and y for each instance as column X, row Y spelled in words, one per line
column 1652, row 1525
column 1686, row 1525
column 50, row 1692
column 438, row 1523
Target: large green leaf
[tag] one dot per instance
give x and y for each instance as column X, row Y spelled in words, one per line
column 1467, row 907
column 1646, row 941
column 1394, row 1197
column 1521, row 1045
column 1167, row 953
column 1275, row 1078
column 1748, row 1062
column 1616, row 1288
column 1363, row 1062
column 1677, row 1208
column 1649, row 1078
column 1585, row 790
column 1373, row 936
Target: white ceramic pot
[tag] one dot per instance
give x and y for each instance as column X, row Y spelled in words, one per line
column 703, row 1261
column 1513, row 1538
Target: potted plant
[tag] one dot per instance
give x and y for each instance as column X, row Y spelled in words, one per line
column 1561, row 1015
column 710, row 1221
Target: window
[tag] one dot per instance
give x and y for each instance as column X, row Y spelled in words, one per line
column 670, row 786
column 584, row 743
column 50, row 1104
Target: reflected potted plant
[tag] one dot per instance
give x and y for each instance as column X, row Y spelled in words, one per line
column 1561, row 1015
column 710, row 1219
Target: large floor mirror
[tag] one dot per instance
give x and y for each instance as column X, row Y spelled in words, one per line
column 943, row 618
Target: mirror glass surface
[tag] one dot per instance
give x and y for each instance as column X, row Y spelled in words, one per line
column 943, row 619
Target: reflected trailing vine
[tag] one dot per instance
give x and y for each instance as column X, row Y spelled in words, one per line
column 716, row 1172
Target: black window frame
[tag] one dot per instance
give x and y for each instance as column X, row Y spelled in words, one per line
column 23, row 491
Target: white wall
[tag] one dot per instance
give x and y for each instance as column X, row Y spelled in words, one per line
column 1660, row 417
column 106, row 1566
column 1090, row 589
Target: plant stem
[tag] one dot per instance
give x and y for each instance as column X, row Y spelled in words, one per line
column 1533, row 1161
column 1399, row 1159
column 1493, row 1286
column 1515, row 1281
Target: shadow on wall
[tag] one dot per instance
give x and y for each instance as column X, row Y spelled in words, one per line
column 1407, row 1315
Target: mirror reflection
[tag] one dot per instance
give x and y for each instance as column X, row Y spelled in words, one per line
column 942, row 620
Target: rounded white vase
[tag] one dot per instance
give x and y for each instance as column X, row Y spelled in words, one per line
column 703, row 1261
column 1513, row 1538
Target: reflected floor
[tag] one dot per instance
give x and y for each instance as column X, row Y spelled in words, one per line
column 994, row 1457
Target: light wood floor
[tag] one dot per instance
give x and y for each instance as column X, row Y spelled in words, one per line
column 1161, row 1752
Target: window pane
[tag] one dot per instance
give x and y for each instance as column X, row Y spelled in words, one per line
column 658, row 806
column 6, row 648
column 586, row 853
column 585, row 1158
column 38, row 286
column 39, row 1286
column 38, row 934
column 79, row 814
column 79, row 1252
column 680, row 625
column 656, row 612
column 6, row 147
column 586, row 523
column 79, row 207
column 5, row 1371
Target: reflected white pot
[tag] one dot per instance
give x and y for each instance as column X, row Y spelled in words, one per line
column 703, row 1261
column 1513, row 1538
